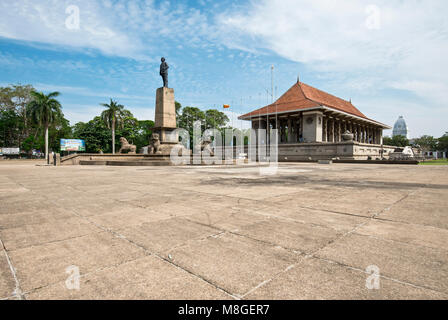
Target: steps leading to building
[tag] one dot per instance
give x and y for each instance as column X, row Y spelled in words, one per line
column 123, row 163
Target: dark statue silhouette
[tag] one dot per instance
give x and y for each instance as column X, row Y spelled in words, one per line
column 164, row 72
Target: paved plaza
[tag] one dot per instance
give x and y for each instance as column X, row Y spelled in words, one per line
column 309, row 231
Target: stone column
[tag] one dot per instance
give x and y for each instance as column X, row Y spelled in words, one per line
column 339, row 131
column 290, row 131
column 336, row 130
column 332, row 131
column 294, row 129
column 312, row 126
column 283, row 129
column 367, row 135
column 325, row 129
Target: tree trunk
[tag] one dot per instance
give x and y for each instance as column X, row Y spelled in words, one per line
column 113, row 136
column 46, row 143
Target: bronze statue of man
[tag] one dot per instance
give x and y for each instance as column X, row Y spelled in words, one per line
column 164, row 72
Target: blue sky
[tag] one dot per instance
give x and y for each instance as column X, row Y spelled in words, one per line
column 389, row 57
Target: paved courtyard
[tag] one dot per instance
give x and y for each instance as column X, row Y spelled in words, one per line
column 308, row 232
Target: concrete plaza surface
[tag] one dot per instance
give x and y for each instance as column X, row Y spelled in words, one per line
column 214, row 232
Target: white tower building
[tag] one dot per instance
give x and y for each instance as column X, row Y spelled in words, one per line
column 400, row 128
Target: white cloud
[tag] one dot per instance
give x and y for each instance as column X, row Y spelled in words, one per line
column 121, row 28
column 408, row 51
column 87, row 92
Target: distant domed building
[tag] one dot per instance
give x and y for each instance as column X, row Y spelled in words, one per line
column 400, row 128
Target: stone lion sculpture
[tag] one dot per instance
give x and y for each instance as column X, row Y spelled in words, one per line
column 154, row 147
column 126, row 146
column 205, row 145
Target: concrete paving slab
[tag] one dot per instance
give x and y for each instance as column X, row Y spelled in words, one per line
column 145, row 278
column 302, row 237
column 406, row 232
column 7, row 282
column 419, row 212
column 125, row 216
column 234, row 263
column 418, row 265
column 36, row 234
column 229, row 219
column 19, row 219
column 315, row 279
column 160, row 236
column 336, row 221
column 47, row 264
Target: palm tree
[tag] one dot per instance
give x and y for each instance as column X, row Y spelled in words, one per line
column 44, row 110
column 113, row 116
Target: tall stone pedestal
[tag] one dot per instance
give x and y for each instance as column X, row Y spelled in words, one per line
column 165, row 119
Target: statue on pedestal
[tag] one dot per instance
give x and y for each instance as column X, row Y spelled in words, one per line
column 164, row 72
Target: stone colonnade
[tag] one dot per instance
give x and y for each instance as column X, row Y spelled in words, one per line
column 290, row 128
column 363, row 132
column 333, row 127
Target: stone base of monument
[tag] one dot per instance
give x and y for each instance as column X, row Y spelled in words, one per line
column 165, row 120
column 117, row 159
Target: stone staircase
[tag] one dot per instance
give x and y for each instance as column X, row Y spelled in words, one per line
column 116, row 160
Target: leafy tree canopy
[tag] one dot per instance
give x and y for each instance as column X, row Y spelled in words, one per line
column 426, row 143
column 398, row 141
column 443, row 143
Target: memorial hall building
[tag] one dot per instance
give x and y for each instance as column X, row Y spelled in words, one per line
column 314, row 125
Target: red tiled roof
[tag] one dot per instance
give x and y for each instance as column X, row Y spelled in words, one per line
column 302, row 96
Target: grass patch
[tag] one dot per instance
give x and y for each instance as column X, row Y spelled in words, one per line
column 438, row 162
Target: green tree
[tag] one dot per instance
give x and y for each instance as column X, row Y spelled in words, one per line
column 398, row 141
column 443, row 143
column 60, row 131
column 178, row 109
column 144, row 132
column 129, row 127
column 44, row 110
column 13, row 101
column 426, row 143
column 187, row 119
column 189, row 116
column 215, row 119
column 113, row 116
column 10, row 124
column 95, row 134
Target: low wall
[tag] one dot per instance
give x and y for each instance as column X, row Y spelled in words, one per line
column 74, row 159
column 324, row 151
column 286, row 153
